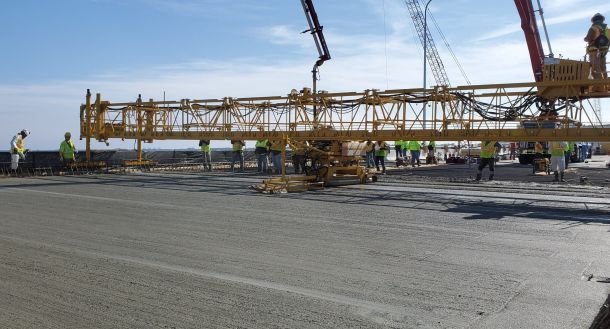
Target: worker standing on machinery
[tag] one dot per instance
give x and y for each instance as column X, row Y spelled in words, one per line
column 415, row 149
column 381, row 149
column 369, row 149
column 558, row 159
column 488, row 157
column 18, row 150
column 67, row 150
column 276, row 155
column 598, row 41
column 261, row 150
column 238, row 154
column 206, row 154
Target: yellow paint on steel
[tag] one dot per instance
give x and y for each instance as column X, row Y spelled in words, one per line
column 504, row 112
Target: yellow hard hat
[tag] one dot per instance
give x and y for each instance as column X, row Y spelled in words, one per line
column 67, row 134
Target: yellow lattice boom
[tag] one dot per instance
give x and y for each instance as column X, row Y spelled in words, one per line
column 508, row 112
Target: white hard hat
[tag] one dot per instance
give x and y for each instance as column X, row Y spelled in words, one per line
column 24, row 132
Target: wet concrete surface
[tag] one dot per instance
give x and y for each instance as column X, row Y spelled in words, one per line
column 204, row 251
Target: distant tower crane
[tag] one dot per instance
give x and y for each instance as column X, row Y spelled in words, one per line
column 423, row 32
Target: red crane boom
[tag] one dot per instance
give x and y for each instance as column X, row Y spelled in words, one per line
column 532, row 36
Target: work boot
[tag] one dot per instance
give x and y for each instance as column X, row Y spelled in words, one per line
column 556, row 177
column 478, row 177
column 561, row 178
column 491, row 177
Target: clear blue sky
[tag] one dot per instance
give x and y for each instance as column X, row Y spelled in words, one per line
column 54, row 50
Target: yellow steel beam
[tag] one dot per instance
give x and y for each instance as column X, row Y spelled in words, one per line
column 507, row 112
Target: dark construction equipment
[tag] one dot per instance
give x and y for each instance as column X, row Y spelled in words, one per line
column 318, row 37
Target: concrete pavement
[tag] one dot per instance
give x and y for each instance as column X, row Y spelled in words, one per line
column 203, row 251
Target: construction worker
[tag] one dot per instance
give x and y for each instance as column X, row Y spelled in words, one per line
column 405, row 150
column 369, row 149
column 381, row 149
column 538, row 149
column 398, row 149
column 488, row 157
column 238, row 154
column 206, row 154
column 597, row 48
column 18, row 150
column 513, row 150
column 431, row 158
column 415, row 149
column 67, row 150
column 558, row 159
column 276, row 155
column 261, row 150
column 568, row 154
column 298, row 157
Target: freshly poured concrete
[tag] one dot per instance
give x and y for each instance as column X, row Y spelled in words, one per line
column 203, row 251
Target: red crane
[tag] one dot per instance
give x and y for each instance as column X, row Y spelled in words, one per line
column 532, row 36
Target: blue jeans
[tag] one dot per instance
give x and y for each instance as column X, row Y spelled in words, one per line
column 370, row 160
column 584, row 150
column 380, row 159
column 414, row 158
column 398, row 152
column 261, row 160
column 277, row 162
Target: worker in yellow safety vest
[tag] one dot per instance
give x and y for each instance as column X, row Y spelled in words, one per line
column 67, row 150
column 488, row 157
column 415, row 149
column 597, row 47
column 381, row 150
column 261, row 149
column 238, row 154
column 18, row 150
column 398, row 148
column 206, row 154
column 558, row 159
column 276, row 155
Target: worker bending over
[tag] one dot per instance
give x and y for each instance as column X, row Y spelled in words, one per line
column 558, row 159
column 597, row 48
column 488, row 157
column 18, row 150
column 67, row 150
